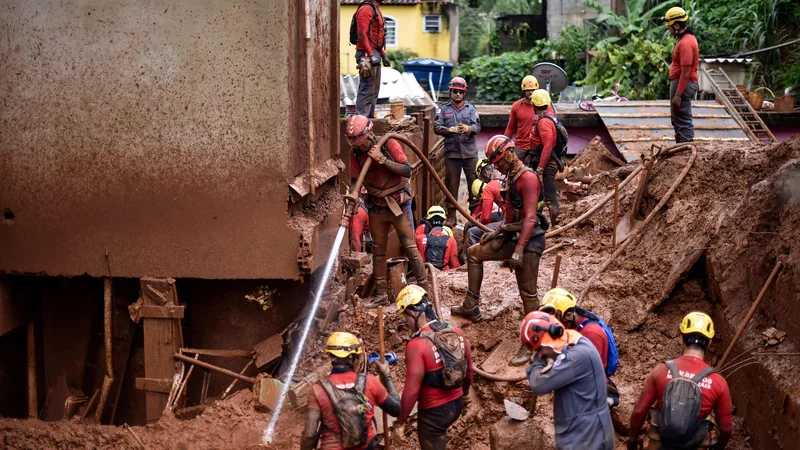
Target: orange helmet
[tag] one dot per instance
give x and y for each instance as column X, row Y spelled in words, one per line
column 358, row 129
column 458, row 83
column 497, row 146
column 540, row 328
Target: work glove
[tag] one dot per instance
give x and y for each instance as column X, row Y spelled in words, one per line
column 364, row 68
column 462, row 128
column 676, row 102
column 516, row 259
column 386, row 62
column 375, row 60
column 399, row 433
column 376, row 154
column 490, row 236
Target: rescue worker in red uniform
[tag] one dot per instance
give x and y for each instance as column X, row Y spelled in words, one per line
column 542, row 157
column 433, row 347
column 697, row 330
column 439, row 248
column 359, row 226
column 522, row 119
column 682, row 73
column 520, row 237
column 435, row 214
column 370, row 52
column 325, row 401
column 487, row 190
column 388, row 200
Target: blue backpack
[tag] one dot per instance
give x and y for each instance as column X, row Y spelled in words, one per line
column 613, row 353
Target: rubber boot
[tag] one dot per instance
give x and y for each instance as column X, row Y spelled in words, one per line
column 469, row 308
column 380, row 298
column 554, row 209
column 523, row 356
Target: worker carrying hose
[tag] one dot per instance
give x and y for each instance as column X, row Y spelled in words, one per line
column 568, row 365
column 563, row 305
column 519, row 238
column 682, row 73
column 685, row 390
column 439, row 248
column 548, row 148
column 522, row 119
column 344, row 403
column 438, row 371
column 388, row 201
column 458, row 121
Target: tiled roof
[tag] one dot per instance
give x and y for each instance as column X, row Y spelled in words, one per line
column 394, row 85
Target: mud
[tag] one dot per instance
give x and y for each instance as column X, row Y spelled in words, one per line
column 710, row 249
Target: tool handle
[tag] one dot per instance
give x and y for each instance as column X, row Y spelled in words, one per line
column 382, row 350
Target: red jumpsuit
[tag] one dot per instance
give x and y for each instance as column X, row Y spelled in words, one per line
column 491, row 195
column 450, row 255
column 366, row 41
column 521, row 121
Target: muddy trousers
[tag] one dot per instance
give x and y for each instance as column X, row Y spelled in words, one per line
column 368, row 88
column 682, row 118
column 500, row 251
column 548, row 176
column 432, row 424
column 452, row 178
column 380, row 219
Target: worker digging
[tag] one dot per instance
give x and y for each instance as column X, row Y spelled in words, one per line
column 318, row 289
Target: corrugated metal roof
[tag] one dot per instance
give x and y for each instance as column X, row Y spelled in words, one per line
column 634, row 126
column 726, row 60
column 394, row 86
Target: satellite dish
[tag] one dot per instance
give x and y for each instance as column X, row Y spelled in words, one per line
column 551, row 77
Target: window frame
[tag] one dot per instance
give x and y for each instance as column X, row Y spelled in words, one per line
column 386, row 31
column 425, row 23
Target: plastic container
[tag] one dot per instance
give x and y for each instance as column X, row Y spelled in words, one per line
column 784, row 103
column 423, row 67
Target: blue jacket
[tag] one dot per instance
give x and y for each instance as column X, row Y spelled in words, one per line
column 460, row 146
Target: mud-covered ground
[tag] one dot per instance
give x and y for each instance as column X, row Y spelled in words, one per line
column 643, row 295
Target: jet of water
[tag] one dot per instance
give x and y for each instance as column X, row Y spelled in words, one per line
column 269, row 433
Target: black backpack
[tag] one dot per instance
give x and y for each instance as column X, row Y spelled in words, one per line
column 354, row 27
column 435, row 248
column 562, row 137
column 679, row 421
column 451, row 348
column 350, row 407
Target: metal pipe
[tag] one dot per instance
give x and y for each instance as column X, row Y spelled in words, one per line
column 554, row 283
column 650, row 216
column 778, row 267
column 491, row 377
column 435, row 289
column 233, row 383
column 33, row 397
column 208, row 366
column 616, row 215
column 183, row 384
column 108, row 330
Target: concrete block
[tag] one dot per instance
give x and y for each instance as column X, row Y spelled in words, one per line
column 509, row 434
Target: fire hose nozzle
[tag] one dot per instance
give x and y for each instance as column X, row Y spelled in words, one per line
column 349, row 208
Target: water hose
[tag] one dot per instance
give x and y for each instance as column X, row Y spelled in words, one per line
column 435, row 289
column 506, row 378
column 664, row 152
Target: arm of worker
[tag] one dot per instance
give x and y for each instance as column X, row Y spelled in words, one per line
column 490, row 192
column 415, row 371
column 308, row 441
column 722, row 412
column 357, row 226
column 439, row 127
column 646, row 400
column 529, row 188
column 363, row 21
column 546, row 129
column 422, row 241
column 597, row 336
column 386, row 395
column 559, row 374
column 400, row 165
column 451, row 254
column 474, row 120
column 511, row 128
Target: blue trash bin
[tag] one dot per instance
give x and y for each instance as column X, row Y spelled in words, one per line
column 420, row 68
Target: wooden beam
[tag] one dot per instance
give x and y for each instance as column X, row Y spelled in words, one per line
column 223, row 353
column 163, row 312
column 154, row 384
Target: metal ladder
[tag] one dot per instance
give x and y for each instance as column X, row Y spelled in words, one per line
column 738, row 107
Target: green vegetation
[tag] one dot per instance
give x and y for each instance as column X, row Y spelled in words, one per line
column 634, row 48
column 398, row 56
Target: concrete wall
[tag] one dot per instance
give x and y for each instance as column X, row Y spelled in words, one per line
column 561, row 13
column 161, row 133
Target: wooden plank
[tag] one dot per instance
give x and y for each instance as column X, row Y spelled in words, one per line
column 268, row 350
column 669, row 127
column 163, row 312
column 154, row 384
column 223, row 353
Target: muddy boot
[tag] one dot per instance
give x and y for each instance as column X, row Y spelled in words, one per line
column 469, row 309
column 522, row 357
column 554, row 209
column 380, row 298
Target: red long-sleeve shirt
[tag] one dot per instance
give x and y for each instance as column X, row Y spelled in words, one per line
column 491, row 195
column 685, row 57
column 370, row 41
column 379, row 177
column 358, row 224
column 421, row 357
column 716, row 395
column 546, row 135
column 450, row 254
column 528, row 186
column 521, row 122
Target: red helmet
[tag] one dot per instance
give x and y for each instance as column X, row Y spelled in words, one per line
column 357, row 129
column 497, row 146
column 540, row 328
column 458, row 83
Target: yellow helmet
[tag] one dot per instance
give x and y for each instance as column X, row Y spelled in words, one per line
column 540, row 98
column 342, row 345
column 434, row 211
column 482, row 164
column 560, row 300
column 530, row 83
column 477, row 189
column 410, row 295
column 698, row 322
column 447, row 231
column 675, row 14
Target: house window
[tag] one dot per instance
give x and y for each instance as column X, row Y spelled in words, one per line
column 390, row 25
column 432, row 23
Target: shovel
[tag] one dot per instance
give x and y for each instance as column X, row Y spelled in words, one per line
column 633, row 220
